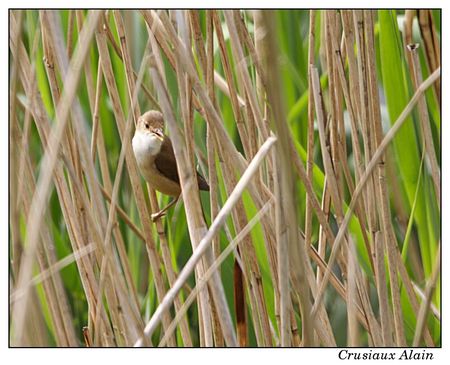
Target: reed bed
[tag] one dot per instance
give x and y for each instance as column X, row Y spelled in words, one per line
column 318, row 132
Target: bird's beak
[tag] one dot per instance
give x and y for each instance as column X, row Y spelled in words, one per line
column 159, row 134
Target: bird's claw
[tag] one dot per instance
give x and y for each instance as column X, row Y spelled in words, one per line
column 156, row 216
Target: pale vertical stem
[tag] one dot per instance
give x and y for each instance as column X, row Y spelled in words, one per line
column 17, row 182
column 226, row 63
column 339, row 142
column 283, row 258
column 87, row 66
column 126, row 58
column 70, row 30
column 425, row 123
column 365, row 118
column 194, row 21
column 332, row 122
column 258, row 34
column 408, row 33
column 431, row 42
column 206, row 337
column 211, row 152
column 310, row 142
column 250, row 266
column 298, row 260
column 171, row 276
column 320, row 113
column 322, row 242
column 429, row 290
column 380, row 280
column 250, row 262
column 381, row 193
column 352, row 323
column 243, row 72
column 95, row 115
column 349, row 100
column 352, row 100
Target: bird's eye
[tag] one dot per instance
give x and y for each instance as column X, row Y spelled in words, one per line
column 147, row 126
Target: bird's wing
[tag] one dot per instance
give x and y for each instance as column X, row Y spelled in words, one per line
column 165, row 161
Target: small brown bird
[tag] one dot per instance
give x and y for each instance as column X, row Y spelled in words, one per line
column 156, row 160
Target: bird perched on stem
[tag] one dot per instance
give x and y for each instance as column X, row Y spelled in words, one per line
column 156, row 160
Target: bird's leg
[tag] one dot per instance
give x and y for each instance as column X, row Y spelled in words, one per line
column 162, row 212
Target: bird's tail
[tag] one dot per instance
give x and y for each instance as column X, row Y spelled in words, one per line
column 239, row 305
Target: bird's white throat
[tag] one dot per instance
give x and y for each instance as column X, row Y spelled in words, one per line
column 145, row 146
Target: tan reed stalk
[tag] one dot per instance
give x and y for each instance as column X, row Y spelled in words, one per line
column 133, row 173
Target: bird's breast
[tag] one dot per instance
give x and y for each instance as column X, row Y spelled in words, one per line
column 145, row 149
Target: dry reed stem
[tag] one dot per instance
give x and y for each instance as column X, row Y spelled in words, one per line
column 369, row 169
column 97, row 138
column 283, row 263
column 53, row 287
column 62, row 190
column 82, row 155
column 349, row 101
column 380, row 281
column 310, row 141
column 111, row 281
column 115, row 191
column 211, row 155
column 86, row 274
column 408, row 33
column 425, row 124
column 352, row 324
column 335, row 121
column 170, row 272
column 216, row 265
column 154, row 258
column 381, row 194
column 432, row 47
column 251, row 267
column 353, row 105
column 52, row 270
column 410, row 291
column 242, row 71
column 17, row 183
column 49, row 162
column 429, row 290
column 239, row 219
column 193, row 208
column 434, row 310
column 365, row 118
column 287, row 231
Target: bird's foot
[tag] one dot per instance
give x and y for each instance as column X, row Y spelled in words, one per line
column 156, row 216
